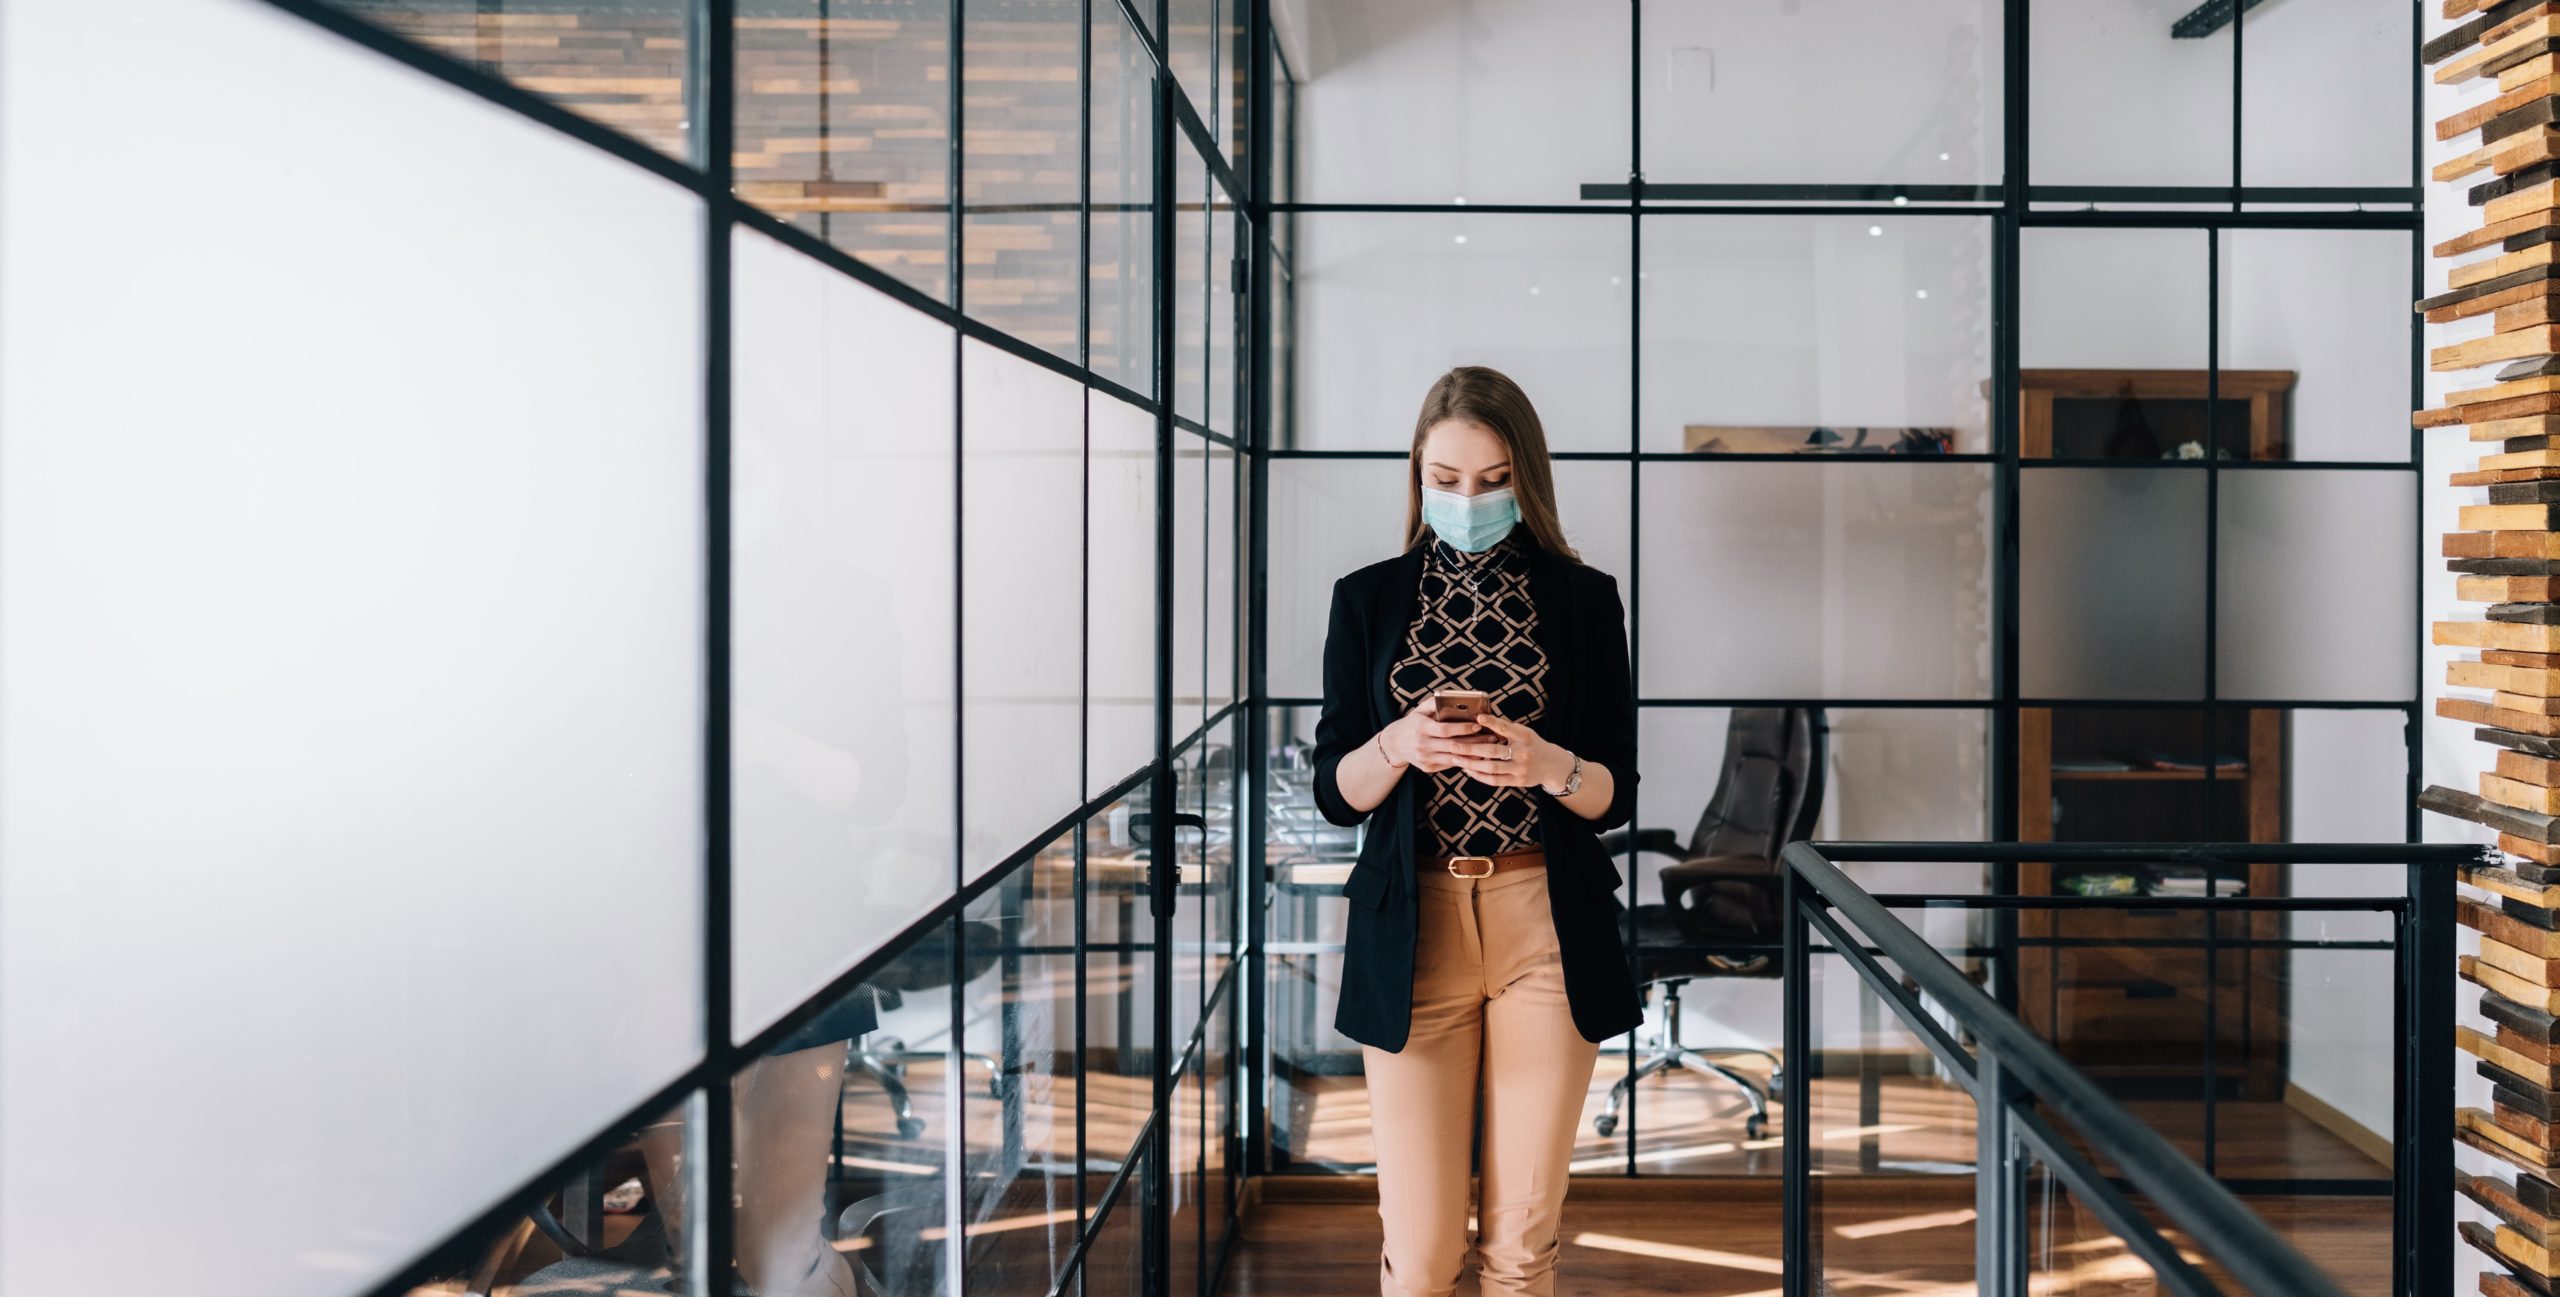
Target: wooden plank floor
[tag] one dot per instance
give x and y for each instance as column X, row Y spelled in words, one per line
column 1904, row 1235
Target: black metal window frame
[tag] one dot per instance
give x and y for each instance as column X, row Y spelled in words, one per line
column 708, row 172
column 2011, row 207
column 2018, row 1081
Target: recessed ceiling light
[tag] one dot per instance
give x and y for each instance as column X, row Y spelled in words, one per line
column 1613, row 279
column 1876, row 230
column 1533, row 290
column 1942, row 157
column 1901, row 199
column 1923, row 294
column 1460, row 200
column 1462, row 238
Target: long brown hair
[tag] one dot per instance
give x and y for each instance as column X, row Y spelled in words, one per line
column 1475, row 394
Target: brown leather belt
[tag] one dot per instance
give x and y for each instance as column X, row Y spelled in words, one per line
column 1488, row 866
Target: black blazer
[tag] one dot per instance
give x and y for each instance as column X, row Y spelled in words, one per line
column 1590, row 709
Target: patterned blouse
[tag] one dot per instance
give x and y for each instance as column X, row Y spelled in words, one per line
column 1475, row 628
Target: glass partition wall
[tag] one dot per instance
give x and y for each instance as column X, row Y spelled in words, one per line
column 2016, row 393
column 879, row 366
column 2012, row 392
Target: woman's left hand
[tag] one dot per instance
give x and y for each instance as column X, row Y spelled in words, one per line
column 1533, row 763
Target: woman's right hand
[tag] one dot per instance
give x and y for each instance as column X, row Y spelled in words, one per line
column 1431, row 746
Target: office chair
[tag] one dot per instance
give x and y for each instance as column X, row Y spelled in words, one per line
column 1725, row 888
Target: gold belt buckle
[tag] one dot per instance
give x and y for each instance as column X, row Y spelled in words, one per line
column 1488, row 866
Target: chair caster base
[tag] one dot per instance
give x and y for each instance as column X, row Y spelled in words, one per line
column 1755, row 1126
column 1606, row 1124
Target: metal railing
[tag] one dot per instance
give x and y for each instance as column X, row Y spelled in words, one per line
column 2022, row 1086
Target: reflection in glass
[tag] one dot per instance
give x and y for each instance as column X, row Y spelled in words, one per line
column 2111, row 582
column 1020, row 1145
column 1387, row 301
column 1183, row 1120
column 1762, row 332
column 617, row 63
column 621, row 1223
column 844, row 119
column 1318, row 1108
column 1823, row 556
column 1115, row 1262
column 1018, row 187
column 1891, row 1134
column 1022, row 437
column 857, row 1150
column 844, row 721
column 1931, row 67
column 1120, row 282
column 1120, row 971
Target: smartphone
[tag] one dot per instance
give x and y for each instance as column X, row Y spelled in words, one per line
column 1460, row 704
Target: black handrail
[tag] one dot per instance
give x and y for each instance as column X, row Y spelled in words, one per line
column 2013, row 1071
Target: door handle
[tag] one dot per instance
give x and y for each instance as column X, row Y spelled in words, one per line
column 1163, row 874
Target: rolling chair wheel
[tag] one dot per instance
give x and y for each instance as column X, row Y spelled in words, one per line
column 1755, row 1126
column 1605, row 1124
column 910, row 1127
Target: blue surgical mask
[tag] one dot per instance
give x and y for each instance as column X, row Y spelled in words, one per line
column 1470, row 523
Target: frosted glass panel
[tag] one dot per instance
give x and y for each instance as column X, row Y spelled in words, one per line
column 1758, row 323
column 1328, row 517
column 1591, row 500
column 1423, row 100
column 1120, row 628
column 1724, row 93
column 2113, row 299
column 2317, row 596
column 2111, row 582
column 2115, row 100
column 350, row 652
column 1190, row 580
column 1222, row 539
column 2325, row 94
column 1816, row 580
column 1022, row 449
column 2329, row 306
column 842, row 646
column 1388, row 302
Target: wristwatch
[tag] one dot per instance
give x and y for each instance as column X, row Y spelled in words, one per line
column 1573, row 781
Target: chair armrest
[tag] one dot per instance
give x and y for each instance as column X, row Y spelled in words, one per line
column 1724, row 897
column 1660, row 842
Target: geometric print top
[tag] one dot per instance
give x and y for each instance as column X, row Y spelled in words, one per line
column 1475, row 628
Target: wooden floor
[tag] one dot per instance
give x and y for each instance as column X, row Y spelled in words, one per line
column 1905, row 1235
column 1702, row 1216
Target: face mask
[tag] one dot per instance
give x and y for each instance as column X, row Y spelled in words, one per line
column 1470, row 524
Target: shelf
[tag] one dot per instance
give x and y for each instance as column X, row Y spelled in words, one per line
column 2227, row 772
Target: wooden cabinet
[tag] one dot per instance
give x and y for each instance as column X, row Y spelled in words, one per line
column 2128, row 993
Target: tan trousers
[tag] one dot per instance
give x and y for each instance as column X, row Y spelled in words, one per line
column 1489, row 1002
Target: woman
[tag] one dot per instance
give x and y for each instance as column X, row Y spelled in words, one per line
column 1484, row 914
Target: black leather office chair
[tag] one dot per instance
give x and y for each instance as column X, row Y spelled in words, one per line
column 1725, row 888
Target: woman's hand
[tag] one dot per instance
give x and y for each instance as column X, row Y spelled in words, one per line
column 1521, row 760
column 1431, row 746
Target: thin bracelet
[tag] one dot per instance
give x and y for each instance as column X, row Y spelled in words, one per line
column 1392, row 763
